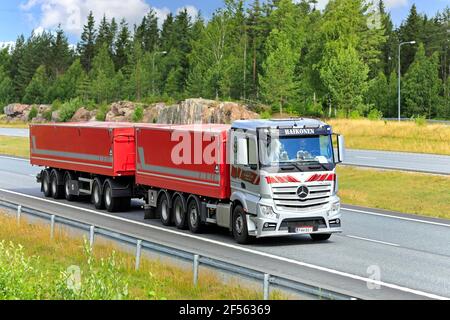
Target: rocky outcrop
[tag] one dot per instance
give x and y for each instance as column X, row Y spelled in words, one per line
column 190, row 111
column 20, row 112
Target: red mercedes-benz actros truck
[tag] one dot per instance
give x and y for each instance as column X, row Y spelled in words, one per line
column 257, row 178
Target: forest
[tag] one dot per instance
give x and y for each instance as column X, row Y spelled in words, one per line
column 338, row 62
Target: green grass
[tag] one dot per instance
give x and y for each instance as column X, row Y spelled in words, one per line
column 32, row 266
column 414, row 193
column 15, row 146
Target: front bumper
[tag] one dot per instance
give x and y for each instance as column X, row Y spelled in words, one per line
column 322, row 220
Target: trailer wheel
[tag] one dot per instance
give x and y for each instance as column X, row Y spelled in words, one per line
column 194, row 216
column 57, row 190
column 164, row 210
column 179, row 213
column 240, row 230
column 97, row 196
column 320, row 236
column 67, row 195
column 112, row 204
column 46, row 185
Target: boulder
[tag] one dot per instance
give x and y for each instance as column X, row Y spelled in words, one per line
column 16, row 110
column 121, row 111
column 82, row 115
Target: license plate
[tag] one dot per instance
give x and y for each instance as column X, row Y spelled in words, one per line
column 304, row 229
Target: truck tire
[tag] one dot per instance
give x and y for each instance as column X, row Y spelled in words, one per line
column 320, row 236
column 164, row 210
column 46, row 185
column 240, row 230
column 194, row 217
column 97, row 195
column 179, row 213
column 67, row 178
column 112, row 204
column 57, row 190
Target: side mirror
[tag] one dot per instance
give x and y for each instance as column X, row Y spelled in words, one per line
column 242, row 152
column 341, row 148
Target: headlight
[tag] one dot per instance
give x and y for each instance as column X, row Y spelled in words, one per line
column 267, row 212
column 335, row 207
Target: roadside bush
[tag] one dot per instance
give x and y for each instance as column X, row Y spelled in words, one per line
column 420, row 121
column 33, row 113
column 374, row 114
column 47, row 115
column 138, row 114
column 56, row 105
column 68, row 109
column 354, row 115
column 19, row 280
column 100, row 281
column 101, row 112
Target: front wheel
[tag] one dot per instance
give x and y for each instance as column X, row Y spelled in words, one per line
column 112, row 204
column 240, row 230
column 164, row 210
column 46, row 185
column 320, row 236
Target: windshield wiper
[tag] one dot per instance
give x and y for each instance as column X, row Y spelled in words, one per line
column 314, row 163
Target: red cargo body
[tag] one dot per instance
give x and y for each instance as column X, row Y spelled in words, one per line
column 156, row 166
column 98, row 148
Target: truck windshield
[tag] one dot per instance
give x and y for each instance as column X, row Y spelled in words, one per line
column 298, row 150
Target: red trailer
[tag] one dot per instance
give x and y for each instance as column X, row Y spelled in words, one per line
column 192, row 159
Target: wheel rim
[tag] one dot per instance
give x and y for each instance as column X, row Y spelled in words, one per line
column 193, row 216
column 54, row 185
column 46, row 184
column 239, row 224
column 178, row 213
column 96, row 194
column 164, row 211
column 67, row 187
column 108, row 196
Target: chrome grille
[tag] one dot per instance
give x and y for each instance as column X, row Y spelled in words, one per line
column 286, row 198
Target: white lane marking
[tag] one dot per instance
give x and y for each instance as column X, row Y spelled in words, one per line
column 396, row 217
column 235, row 247
column 13, row 158
column 370, row 158
column 376, row 241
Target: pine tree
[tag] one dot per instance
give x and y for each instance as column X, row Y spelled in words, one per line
column 377, row 95
column 36, row 92
column 86, row 47
column 61, row 55
column 122, row 46
column 421, row 86
column 411, row 30
column 65, row 87
column 102, row 76
column 147, row 32
column 6, row 88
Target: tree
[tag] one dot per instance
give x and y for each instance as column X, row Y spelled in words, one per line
column 277, row 82
column 377, row 95
column 102, row 76
column 87, row 47
column 421, row 86
column 147, row 33
column 36, row 92
column 66, row 85
column 61, row 55
column 411, row 30
column 123, row 46
column 6, row 88
column 345, row 76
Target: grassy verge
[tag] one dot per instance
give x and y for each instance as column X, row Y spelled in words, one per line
column 15, row 125
column 414, row 193
column 394, row 136
column 34, row 267
column 15, row 146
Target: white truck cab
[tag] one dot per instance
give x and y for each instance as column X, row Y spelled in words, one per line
column 283, row 177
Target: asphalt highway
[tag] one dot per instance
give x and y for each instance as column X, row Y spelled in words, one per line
column 411, row 254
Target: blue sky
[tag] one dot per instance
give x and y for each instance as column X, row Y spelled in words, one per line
column 22, row 16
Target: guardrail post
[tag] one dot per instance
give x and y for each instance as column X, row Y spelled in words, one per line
column 138, row 254
column 52, row 226
column 19, row 213
column 266, row 286
column 91, row 236
column 196, row 265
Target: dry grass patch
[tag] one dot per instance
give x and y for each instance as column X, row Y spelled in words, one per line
column 15, row 146
column 394, row 136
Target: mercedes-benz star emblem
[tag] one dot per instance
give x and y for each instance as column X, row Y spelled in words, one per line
column 302, row 192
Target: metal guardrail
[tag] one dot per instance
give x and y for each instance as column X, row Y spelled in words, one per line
column 197, row 260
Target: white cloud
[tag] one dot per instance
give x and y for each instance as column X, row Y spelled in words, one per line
column 5, row 44
column 71, row 14
column 391, row 4
column 191, row 10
